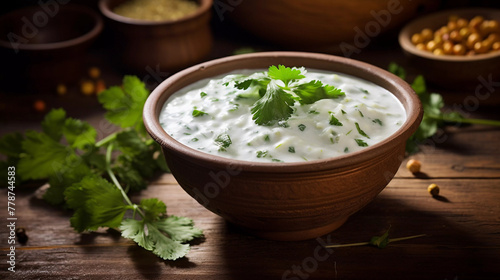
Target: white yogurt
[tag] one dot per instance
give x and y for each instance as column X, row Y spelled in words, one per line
column 211, row 116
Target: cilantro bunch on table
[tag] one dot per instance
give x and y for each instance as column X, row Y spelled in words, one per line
column 93, row 178
column 434, row 117
column 278, row 91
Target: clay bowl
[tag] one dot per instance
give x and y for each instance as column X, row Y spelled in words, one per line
column 322, row 25
column 42, row 46
column 284, row 201
column 448, row 71
column 159, row 45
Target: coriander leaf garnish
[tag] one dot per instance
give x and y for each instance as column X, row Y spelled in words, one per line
column 315, row 90
column 302, row 127
column 334, row 120
column 274, row 106
column 361, row 143
column 261, row 154
column 360, row 131
column 203, row 94
column 285, row 74
column 275, row 101
column 223, row 141
column 198, row 113
column 291, row 149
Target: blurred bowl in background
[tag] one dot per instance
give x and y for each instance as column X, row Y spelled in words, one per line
column 42, row 46
column 168, row 45
column 322, row 25
column 451, row 71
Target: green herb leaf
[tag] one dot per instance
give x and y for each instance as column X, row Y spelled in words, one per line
column 380, row 241
column 334, row 120
column 153, row 208
column 397, row 70
column 148, row 236
column 302, row 127
column 79, row 134
column 361, row 143
column 198, row 113
column 284, row 74
column 97, row 203
column 53, row 124
column 124, row 105
column 262, row 154
column 274, row 106
column 223, row 141
column 11, row 144
column 42, row 156
column 360, row 131
column 315, row 90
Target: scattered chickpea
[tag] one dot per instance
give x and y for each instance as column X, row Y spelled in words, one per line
column 94, row 72
column 39, row 106
column 433, row 189
column 87, row 87
column 61, row 89
column 413, row 165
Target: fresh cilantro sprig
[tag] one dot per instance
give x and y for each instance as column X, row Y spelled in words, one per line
column 93, row 177
column 278, row 91
column 434, row 118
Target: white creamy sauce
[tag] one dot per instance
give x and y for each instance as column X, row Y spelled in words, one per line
column 307, row 135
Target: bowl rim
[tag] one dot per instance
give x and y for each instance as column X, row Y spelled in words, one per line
column 91, row 34
column 405, row 34
column 153, row 107
column 105, row 9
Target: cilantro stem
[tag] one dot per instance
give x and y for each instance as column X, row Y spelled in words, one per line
column 464, row 120
column 117, row 184
column 368, row 243
column 106, row 140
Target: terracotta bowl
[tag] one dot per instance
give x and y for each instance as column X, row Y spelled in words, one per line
column 285, row 201
column 448, row 71
column 160, row 45
column 40, row 49
column 322, row 25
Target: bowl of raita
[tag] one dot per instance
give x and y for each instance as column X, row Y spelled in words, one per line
column 286, row 145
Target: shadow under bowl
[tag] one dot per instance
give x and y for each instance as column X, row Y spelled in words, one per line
column 41, row 47
column 451, row 71
column 285, row 201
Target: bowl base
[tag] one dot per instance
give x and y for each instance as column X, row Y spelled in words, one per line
column 299, row 234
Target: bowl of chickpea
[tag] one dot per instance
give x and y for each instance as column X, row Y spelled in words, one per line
column 455, row 49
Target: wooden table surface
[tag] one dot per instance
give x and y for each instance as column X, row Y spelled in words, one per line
column 462, row 226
